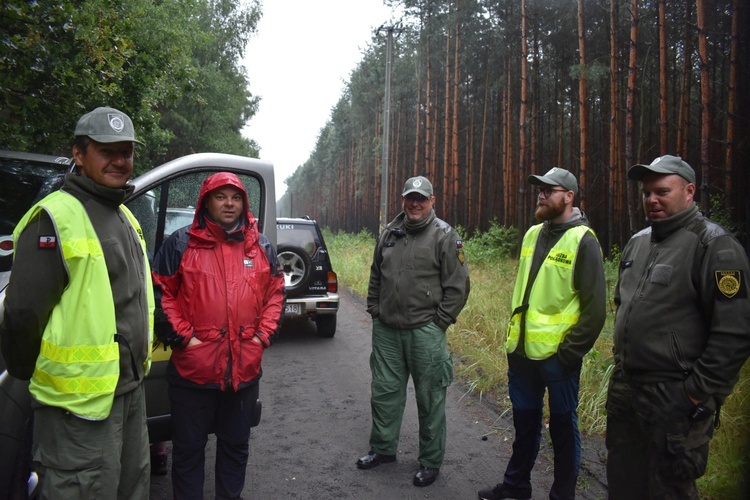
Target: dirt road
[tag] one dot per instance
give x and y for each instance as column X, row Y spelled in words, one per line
column 316, row 423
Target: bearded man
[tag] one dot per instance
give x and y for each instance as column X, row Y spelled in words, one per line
column 558, row 310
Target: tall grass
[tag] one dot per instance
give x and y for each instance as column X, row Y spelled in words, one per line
column 477, row 340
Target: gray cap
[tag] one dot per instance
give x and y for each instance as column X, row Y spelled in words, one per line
column 666, row 164
column 556, row 177
column 107, row 125
column 419, row 185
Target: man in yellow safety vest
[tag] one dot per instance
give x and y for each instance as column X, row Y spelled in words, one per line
column 78, row 321
column 558, row 310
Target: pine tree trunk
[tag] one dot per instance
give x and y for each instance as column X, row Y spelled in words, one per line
column 522, row 118
column 583, row 110
column 705, row 103
column 732, row 98
column 418, row 129
column 663, row 79
column 455, row 202
column 534, row 121
column 683, row 125
column 630, row 112
column 508, row 181
column 429, row 167
column 447, row 111
column 616, row 172
column 482, row 147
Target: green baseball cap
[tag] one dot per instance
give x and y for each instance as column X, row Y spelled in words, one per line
column 418, row 185
column 107, row 125
column 556, row 177
column 666, row 165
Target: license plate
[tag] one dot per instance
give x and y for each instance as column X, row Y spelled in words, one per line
column 292, row 309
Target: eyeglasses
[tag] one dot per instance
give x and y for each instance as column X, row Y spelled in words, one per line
column 547, row 192
column 412, row 197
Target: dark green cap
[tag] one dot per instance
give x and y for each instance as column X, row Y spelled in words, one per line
column 418, row 185
column 556, row 177
column 107, row 125
column 666, row 165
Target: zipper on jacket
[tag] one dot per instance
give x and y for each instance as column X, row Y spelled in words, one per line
column 228, row 371
column 239, row 361
column 653, row 254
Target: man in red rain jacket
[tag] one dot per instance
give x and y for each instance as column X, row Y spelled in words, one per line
column 222, row 290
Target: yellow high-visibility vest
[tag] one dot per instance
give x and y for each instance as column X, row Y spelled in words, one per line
column 553, row 306
column 79, row 361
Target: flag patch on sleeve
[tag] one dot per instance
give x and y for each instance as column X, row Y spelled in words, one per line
column 460, row 252
column 47, row 242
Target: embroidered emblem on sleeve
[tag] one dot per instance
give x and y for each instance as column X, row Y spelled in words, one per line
column 47, row 242
column 728, row 282
column 460, row 252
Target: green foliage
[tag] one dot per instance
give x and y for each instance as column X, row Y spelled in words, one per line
column 611, row 274
column 496, row 243
column 351, row 256
column 721, row 213
column 59, row 60
column 728, row 472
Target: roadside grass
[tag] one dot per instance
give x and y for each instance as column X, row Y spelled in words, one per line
column 477, row 341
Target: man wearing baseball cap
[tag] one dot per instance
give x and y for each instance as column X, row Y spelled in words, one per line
column 419, row 283
column 682, row 334
column 78, row 321
column 558, row 310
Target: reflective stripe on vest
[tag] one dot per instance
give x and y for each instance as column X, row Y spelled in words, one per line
column 79, row 361
column 553, row 304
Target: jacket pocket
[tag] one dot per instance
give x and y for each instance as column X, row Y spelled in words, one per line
column 687, row 450
column 200, row 363
column 677, row 351
column 207, row 335
column 251, row 353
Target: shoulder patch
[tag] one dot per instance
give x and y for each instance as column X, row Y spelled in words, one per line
column 47, row 242
column 730, row 283
column 460, row 252
column 727, row 255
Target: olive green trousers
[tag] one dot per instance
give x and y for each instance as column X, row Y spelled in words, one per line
column 397, row 354
column 93, row 459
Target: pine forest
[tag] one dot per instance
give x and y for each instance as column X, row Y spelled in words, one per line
column 484, row 93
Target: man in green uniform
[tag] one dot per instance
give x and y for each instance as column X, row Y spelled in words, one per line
column 682, row 334
column 419, row 282
column 79, row 318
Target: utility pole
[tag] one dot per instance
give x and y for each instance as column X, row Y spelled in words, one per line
column 386, row 127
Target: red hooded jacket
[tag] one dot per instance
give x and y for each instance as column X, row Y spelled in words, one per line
column 224, row 289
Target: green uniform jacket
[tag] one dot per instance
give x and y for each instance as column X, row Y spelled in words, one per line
column 418, row 277
column 39, row 279
column 683, row 307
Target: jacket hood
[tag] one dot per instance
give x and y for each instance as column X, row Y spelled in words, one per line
column 216, row 181
column 577, row 218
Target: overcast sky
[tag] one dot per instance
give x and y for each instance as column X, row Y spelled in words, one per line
column 298, row 64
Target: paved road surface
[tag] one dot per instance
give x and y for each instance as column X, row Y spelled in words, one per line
column 316, row 423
